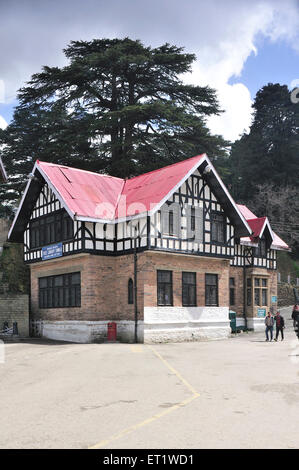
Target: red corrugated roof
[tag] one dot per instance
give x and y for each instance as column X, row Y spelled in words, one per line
column 97, row 196
column 256, row 224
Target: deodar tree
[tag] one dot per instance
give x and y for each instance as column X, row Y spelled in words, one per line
column 118, row 107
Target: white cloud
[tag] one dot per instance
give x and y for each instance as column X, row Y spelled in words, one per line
column 3, row 123
column 221, row 33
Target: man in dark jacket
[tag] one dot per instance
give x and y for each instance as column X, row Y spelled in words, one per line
column 295, row 317
column 269, row 322
column 279, row 326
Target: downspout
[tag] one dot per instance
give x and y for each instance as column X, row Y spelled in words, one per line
column 135, row 287
column 244, row 297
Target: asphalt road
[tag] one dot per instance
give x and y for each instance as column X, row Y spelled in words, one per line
column 236, row 393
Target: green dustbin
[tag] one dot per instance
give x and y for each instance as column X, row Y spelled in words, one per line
column 233, row 321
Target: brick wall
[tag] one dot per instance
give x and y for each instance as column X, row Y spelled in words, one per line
column 104, row 287
column 178, row 263
column 15, row 308
column 237, row 274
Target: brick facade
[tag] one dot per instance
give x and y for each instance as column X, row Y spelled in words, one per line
column 104, row 288
column 238, row 274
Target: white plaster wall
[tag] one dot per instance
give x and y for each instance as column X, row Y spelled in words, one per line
column 169, row 324
column 89, row 331
column 256, row 324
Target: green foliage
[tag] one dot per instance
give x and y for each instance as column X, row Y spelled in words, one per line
column 118, row 107
column 269, row 152
column 15, row 272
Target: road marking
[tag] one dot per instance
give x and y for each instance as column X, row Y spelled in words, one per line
column 157, row 416
column 192, row 390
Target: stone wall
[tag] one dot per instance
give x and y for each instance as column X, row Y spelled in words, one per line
column 286, row 294
column 15, row 308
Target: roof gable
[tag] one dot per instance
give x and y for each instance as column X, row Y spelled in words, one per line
column 89, row 196
column 258, row 226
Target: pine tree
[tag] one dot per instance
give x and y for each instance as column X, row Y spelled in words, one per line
column 269, row 152
column 118, row 107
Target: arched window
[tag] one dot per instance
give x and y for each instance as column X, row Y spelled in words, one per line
column 130, row 291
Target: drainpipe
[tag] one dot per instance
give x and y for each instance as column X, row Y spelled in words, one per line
column 135, row 287
column 244, row 296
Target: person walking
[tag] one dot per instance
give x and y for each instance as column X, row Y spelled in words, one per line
column 279, row 325
column 295, row 314
column 269, row 322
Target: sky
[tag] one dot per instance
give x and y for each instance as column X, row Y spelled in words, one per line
column 240, row 45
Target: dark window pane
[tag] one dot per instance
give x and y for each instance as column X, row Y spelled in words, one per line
column 218, row 227
column 211, row 289
column 264, row 297
column 54, row 291
column 256, row 296
column 130, row 291
column 232, row 296
column 248, row 297
column 58, row 281
column 75, row 278
column 171, row 223
column 164, row 287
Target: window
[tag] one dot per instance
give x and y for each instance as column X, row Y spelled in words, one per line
column 218, row 227
column 130, row 291
column 51, row 228
column 189, row 289
column 261, row 250
column 170, row 222
column 60, row 291
column 192, row 221
column 260, row 291
column 231, row 291
column 211, row 289
column 164, row 287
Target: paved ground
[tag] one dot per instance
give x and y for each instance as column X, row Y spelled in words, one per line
column 235, row 393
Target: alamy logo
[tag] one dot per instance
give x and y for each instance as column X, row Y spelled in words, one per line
column 2, row 352
column 295, row 91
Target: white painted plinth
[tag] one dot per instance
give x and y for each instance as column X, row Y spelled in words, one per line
column 89, row 331
column 256, row 324
column 176, row 324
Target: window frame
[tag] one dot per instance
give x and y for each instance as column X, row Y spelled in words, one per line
column 207, row 302
column 57, row 287
column 130, row 291
column 163, row 284
column 43, row 231
column 189, row 285
column 219, row 230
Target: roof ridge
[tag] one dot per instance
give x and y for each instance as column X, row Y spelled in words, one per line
column 167, row 166
column 80, row 169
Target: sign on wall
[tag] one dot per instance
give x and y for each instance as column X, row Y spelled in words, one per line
column 274, row 299
column 52, row 251
column 261, row 312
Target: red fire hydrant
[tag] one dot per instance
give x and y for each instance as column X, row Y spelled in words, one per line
column 111, row 335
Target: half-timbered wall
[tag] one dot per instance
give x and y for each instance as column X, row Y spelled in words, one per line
column 245, row 256
column 194, row 198
column 196, row 193
column 47, row 204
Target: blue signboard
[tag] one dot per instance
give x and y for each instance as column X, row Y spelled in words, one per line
column 52, row 251
column 274, row 299
column 261, row 312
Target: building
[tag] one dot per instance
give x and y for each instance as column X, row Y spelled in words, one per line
column 164, row 254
